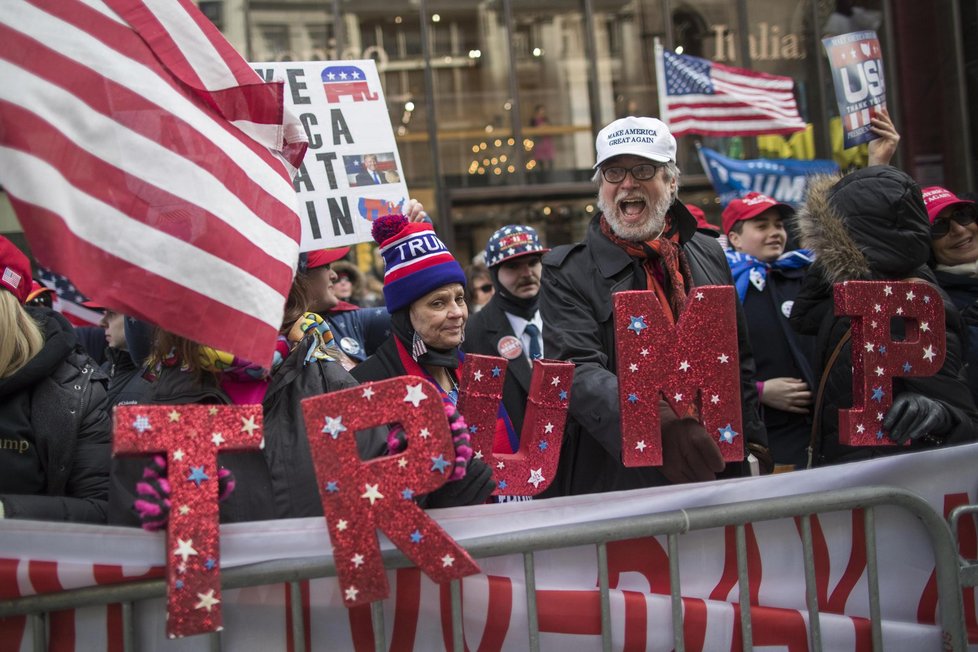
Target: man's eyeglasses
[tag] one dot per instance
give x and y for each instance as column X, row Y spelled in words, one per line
column 641, row 172
column 942, row 226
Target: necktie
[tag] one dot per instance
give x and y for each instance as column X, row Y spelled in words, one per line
column 536, row 349
column 376, row 178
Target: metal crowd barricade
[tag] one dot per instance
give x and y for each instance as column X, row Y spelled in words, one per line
column 968, row 567
column 671, row 524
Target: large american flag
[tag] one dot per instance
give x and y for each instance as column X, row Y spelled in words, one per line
column 147, row 162
column 697, row 96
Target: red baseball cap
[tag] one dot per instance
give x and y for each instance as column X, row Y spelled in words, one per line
column 937, row 199
column 36, row 290
column 323, row 257
column 700, row 216
column 750, row 206
column 15, row 270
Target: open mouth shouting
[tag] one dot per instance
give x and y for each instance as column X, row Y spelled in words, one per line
column 632, row 208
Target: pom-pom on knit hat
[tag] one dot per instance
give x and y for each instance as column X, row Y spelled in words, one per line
column 416, row 261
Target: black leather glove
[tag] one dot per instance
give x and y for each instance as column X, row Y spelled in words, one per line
column 913, row 416
column 689, row 454
column 473, row 489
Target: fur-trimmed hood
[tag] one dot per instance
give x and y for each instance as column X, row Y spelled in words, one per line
column 871, row 224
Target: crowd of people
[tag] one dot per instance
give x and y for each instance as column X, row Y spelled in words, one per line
column 523, row 302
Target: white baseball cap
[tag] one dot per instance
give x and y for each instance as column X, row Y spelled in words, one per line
column 646, row 137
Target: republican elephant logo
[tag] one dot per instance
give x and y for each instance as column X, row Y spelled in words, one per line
column 346, row 81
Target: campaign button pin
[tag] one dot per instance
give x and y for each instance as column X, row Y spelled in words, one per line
column 510, row 348
column 350, row 345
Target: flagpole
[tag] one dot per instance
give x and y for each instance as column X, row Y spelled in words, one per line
column 743, row 41
column 660, row 82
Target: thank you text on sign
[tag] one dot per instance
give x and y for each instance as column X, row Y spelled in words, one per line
column 860, row 89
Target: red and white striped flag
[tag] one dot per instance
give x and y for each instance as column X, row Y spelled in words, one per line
column 697, row 96
column 147, row 162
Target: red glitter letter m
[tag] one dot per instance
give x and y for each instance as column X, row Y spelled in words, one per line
column 694, row 365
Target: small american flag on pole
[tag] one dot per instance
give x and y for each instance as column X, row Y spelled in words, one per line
column 697, row 96
column 150, row 164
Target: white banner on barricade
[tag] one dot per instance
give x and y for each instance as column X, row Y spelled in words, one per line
column 42, row 557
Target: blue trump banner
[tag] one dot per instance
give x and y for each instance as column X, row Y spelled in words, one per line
column 783, row 179
column 860, row 89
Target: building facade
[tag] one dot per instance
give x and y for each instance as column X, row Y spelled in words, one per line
column 495, row 103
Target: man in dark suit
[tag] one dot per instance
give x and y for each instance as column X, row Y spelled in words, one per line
column 369, row 175
column 510, row 325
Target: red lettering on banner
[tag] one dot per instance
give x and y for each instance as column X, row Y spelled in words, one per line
column 61, row 624
column 694, row 365
column 772, row 627
column 112, row 574
column 499, row 611
column 306, row 623
column 406, row 607
column 645, row 556
column 12, row 628
column 863, row 634
column 531, row 469
column 694, row 624
column 361, row 497
column 579, row 612
column 836, row 603
column 636, row 622
column 967, row 548
column 569, row 612
column 113, row 628
column 407, row 603
column 729, row 578
column 877, row 358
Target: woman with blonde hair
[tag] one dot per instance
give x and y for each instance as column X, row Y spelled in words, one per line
column 55, row 432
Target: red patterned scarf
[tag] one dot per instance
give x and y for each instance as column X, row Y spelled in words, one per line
column 666, row 269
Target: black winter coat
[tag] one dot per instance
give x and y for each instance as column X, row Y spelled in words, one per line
column 780, row 352
column 293, row 475
column 871, row 225
column 279, row 481
column 126, row 383
column 56, row 405
column 482, row 334
column 576, row 304
column 963, row 291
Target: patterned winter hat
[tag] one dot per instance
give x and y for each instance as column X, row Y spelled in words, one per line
column 512, row 241
column 416, row 261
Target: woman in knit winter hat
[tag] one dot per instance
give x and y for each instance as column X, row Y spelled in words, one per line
column 424, row 288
